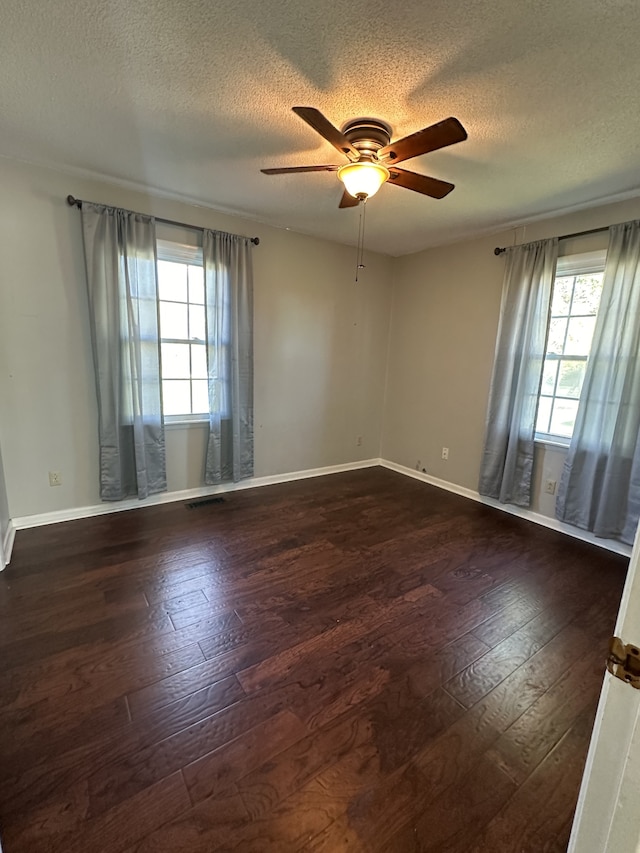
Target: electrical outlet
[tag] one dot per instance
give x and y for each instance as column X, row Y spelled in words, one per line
column 358, row 441
column 550, row 486
column 445, row 452
column 55, row 478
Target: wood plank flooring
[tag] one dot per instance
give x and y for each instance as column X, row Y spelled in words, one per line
column 358, row 662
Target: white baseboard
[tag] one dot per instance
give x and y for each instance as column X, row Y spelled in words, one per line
column 6, row 547
column 26, row 521
column 528, row 514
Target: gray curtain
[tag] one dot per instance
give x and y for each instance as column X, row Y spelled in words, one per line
column 507, row 459
column 229, row 297
column 600, row 485
column 120, row 255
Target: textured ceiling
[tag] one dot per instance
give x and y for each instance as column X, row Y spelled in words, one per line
column 193, row 97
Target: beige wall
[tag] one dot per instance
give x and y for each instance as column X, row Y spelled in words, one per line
column 446, row 305
column 320, row 345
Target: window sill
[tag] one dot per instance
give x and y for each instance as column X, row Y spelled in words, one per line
column 185, row 424
column 553, row 444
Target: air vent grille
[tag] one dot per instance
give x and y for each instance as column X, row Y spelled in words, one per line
column 204, row 502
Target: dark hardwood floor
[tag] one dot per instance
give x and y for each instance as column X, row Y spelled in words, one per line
column 358, row 662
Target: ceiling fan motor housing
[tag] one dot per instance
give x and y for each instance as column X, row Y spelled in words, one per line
column 367, row 135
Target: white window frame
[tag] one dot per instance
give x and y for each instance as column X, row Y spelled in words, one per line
column 174, row 252
column 571, row 265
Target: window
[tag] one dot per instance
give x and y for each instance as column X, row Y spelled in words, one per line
column 575, row 300
column 183, row 347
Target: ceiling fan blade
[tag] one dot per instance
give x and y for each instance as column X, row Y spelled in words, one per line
column 420, row 183
column 446, row 132
column 348, row 200
column 288, row 169
column 324, row 127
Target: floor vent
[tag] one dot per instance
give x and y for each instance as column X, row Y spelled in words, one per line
column 204, row 502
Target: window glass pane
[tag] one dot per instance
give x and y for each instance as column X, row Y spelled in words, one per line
column 555, row 341
column 571, row 378
column 175, row 361
column 183, row 336
column 563, row 417
column 574, row 305
column 173, row 320
column 198, row 361
column 196, row 284
column 196, row 322
column 172, row 281
column 200, row 396
column 562, row 295
column 549, row 375
column 586, row 298
column 176, row 396
column 544, row 414
column 579, row 335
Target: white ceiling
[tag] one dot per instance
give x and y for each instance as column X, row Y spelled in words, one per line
column 193, row 97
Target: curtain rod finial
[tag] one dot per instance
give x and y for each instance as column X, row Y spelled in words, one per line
column 73, row 202
column 498, row 251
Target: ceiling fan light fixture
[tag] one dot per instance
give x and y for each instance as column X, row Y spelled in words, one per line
column 363, row 179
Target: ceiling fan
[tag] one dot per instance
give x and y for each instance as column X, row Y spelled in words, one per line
column 372, row 156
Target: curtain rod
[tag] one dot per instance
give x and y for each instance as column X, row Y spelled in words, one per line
column 500, row 251
column 78, row 202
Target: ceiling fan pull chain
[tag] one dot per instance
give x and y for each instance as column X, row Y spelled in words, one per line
column 360, row 246
column 364, row 222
